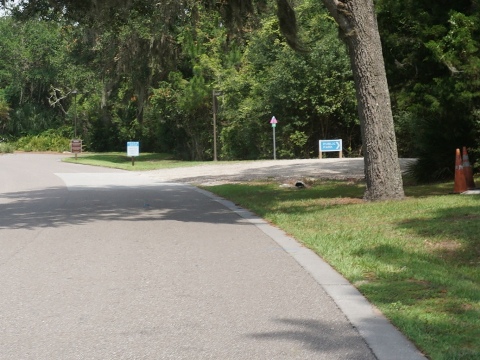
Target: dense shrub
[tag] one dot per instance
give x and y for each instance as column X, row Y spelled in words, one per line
column 6, row 147
column 50, row 140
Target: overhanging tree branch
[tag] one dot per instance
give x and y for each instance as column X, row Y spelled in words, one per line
column 56, row 97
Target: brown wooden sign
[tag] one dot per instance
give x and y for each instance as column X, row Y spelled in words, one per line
column 76, row 146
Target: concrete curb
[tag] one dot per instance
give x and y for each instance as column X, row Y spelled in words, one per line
column 385, row 341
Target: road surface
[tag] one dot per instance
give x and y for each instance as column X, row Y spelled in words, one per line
column 107, row 264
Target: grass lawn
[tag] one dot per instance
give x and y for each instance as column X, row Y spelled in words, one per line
column 146, row 161
column 417, row 260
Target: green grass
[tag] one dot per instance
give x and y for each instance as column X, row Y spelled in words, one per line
column 147, row 161
column 417, row 260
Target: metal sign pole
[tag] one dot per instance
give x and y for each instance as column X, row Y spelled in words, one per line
column 274, row 125
column 274, row 146
column 214, row 126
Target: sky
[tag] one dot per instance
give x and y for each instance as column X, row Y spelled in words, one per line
column 10, row 3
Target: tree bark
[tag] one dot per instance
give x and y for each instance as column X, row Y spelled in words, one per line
column 358, row 27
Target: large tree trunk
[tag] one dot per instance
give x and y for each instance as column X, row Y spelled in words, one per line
column 358, row 26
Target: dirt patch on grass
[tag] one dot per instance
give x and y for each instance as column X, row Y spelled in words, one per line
column 345, row 201
column 445, row 248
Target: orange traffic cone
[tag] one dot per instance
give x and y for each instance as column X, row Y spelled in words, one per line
column 460, row 182
column 467, row 170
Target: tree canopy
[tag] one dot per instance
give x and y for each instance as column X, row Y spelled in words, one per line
column 146, row 70
column 432, row 54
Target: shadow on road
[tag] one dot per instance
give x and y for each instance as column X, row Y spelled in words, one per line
column 318, row 336
column 57, row 206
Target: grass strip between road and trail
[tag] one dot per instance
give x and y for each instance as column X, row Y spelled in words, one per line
column 143, row 162
column 417, row 260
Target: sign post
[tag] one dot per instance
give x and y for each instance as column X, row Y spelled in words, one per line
column 76, row 147
column 274, row 125
column 330, row 146
column 133, row 149
column 215, row 93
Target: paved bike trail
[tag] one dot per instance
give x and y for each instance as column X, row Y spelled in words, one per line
column 107, row 264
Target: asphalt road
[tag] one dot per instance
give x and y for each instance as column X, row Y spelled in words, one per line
column 107, row 264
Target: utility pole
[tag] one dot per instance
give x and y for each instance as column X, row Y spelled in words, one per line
column 215, row 108
column 74, row 92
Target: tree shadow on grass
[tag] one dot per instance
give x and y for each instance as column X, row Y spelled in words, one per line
column 262, row 198
column 436, row 304
column 449, row 256
column 432, row 291
column 453, row 234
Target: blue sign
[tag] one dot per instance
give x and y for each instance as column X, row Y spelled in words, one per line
column 133, row 148
column 330, row 145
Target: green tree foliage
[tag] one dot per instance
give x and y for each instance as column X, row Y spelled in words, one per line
column 26, row 72
column 38, row 71
column 147, row 71
column 4, row 113
column 311, row 93
column 183, row 103
column 433, row 61
column 128, row 55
